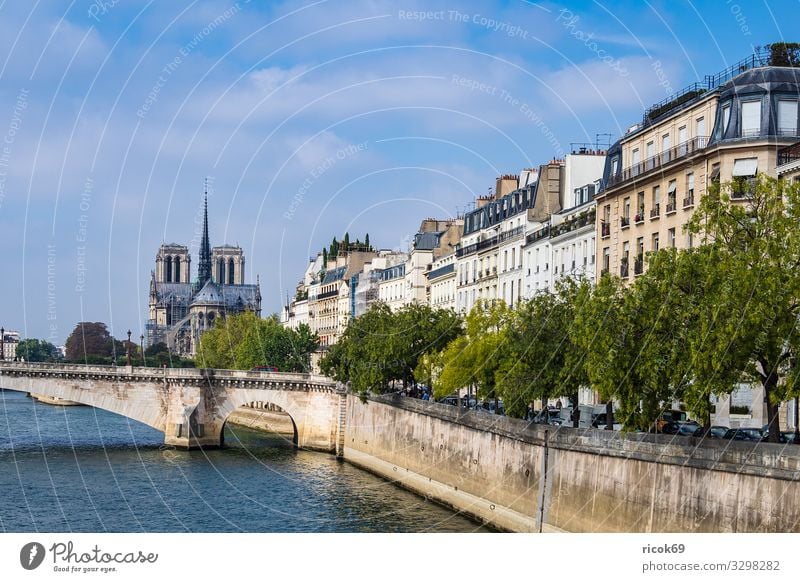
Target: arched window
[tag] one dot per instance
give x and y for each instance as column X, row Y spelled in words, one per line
column 177, row 269
column 221, row 271
column 230, row 272
column 168, row 270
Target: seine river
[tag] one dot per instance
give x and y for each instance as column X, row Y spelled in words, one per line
column 79, row 469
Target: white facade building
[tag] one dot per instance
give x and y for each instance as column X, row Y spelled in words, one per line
column 442, row 283
column 11, row 340
column 563, row 242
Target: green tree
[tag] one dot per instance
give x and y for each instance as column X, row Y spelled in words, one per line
column 420, row 329
column 475, row 357
column 366, row 242
column 88, row 340
column 36, row 350
column 346, row 242
column 543, row 362
column 382, row 346
column 609, row 338
column 158, row 355
column 364, row 354
column 244, row 341
column 756, row 249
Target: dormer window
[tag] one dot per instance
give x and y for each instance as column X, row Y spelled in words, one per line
column 751, row 118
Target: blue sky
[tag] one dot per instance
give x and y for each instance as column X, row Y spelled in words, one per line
column 309, row 118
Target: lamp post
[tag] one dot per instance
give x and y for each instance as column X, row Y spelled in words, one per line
column 129, row 348
column 2, row 343
column 141, row 346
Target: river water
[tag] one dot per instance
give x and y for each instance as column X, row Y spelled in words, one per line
column 80, row 469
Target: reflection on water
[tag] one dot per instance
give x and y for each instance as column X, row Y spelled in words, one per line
column 82, row 469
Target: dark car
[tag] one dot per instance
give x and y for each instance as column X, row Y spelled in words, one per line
column 744, row 434
column 713, row 432
column 264, row 369
column 788, row 436
column 549, row 416
column 688, row 428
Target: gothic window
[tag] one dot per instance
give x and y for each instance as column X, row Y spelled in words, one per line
column 168, row 270
column 220, row 271
column 177, row 269
column 230, row 272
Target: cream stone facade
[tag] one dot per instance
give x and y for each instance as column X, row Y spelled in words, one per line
column 656, row 174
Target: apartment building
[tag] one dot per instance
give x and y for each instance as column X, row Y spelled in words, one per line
column 498, row 222
column 560, row 240
column 572, row 237
column 442, row 283
column 728, row 128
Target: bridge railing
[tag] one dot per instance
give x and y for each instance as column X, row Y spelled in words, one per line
column 174, row 373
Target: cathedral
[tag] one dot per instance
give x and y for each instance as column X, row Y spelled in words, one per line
column 182, row 309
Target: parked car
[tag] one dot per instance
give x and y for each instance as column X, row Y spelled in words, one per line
column 550, row 415
column 669, row 416
column 788, row 436
column 490, row 407
column 713, row 432
column 688, row 428
column 264, row 369
column 744, row 434
column 599, row 421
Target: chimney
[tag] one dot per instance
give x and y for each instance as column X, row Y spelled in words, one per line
column 506, row 184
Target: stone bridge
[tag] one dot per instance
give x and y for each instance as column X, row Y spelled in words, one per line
column 189, row 405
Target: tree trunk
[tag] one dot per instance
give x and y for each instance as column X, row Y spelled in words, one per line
column 774, row 427
column 576, row 411
column 610, row 415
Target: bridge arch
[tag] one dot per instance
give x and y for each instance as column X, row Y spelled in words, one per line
column 257, row 408
column 108, row 400
column 314, row 414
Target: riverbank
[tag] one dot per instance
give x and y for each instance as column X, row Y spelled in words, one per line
column 263, row 420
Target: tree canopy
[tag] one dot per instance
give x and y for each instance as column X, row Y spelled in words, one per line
column 244, row 341
column 382, row 346
column 36, row 350
column 88, row 340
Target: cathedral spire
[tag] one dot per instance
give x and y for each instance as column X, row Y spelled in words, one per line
column 204, row 265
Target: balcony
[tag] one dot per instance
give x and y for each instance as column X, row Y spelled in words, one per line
column 574, row 223
column 688, row 202
column 671, row 207
column 638, row 265
column 509, row 234
column 605, row 229
column 789, row 154
column 623, row 269
column 656, row 211
column 639, row 218
column 478, row 246
column 538, row 235
column 624, row 221
column 679, row 152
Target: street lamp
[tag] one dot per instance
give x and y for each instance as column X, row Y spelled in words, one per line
column 2, row 343
column 141, row 344
column 129, row 348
